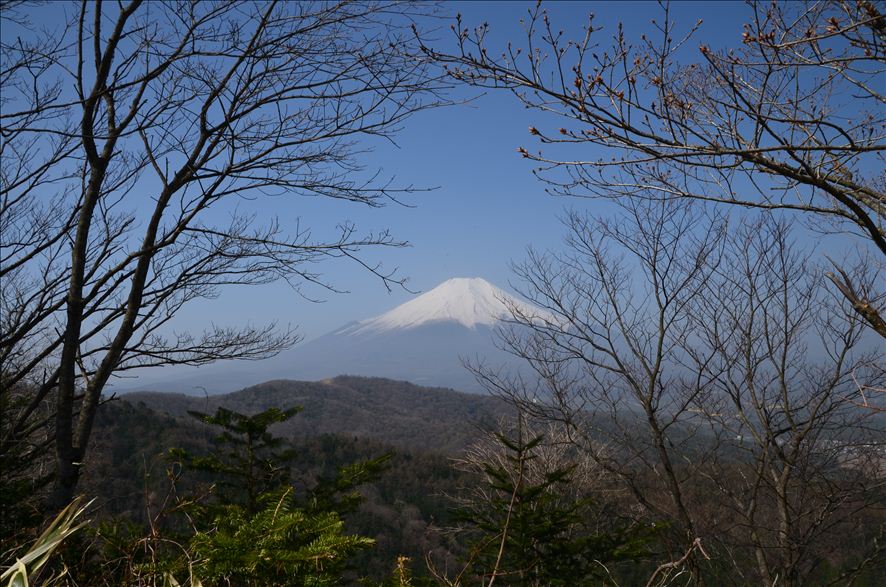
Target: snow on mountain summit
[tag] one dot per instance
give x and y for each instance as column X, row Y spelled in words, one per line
column 468, row 301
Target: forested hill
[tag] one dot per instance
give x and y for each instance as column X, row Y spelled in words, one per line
column 397, row 413
column 345, row 420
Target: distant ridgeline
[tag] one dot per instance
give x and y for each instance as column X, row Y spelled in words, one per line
column 396, row 413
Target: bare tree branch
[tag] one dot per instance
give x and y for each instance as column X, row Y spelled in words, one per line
column 129, row 135
column 789, row 118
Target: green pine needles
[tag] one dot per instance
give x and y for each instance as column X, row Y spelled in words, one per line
column 256, row 529
column 282, row 544
column 249, row 461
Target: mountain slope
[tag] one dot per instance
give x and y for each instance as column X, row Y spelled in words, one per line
column 467, row 301
column 425, row 341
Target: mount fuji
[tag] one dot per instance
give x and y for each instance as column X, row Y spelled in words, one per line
column 422, row 341
column 471, row 302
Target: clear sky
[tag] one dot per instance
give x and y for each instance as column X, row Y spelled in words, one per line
column 487, row 207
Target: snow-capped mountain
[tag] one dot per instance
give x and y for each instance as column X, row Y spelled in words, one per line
column 424, row 340
column 468, row 301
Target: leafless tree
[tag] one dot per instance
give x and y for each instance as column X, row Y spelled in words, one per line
column 790, row 117
column 704, row 369
column 776, row 355
column 133, row 136
column 607, row 353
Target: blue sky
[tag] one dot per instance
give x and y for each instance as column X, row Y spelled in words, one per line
column 487, row 207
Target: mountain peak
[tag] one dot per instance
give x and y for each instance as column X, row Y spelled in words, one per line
column 469, row 301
